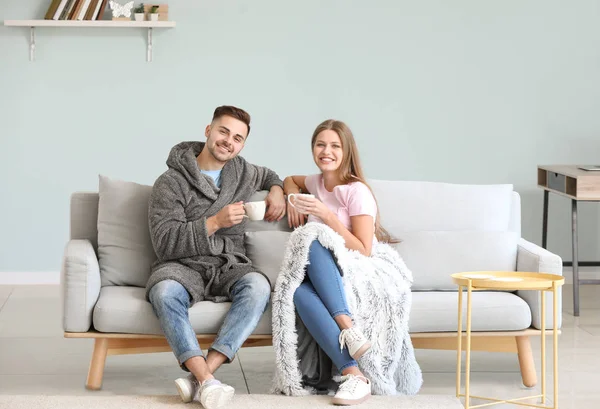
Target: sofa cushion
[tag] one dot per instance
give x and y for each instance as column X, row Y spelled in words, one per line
column 125, row 251
column 437, row 311
column 418, row 206
column 125, row 310
column 266, row 250
column 433, row 256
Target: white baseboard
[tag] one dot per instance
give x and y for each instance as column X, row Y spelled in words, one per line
column 29, row 278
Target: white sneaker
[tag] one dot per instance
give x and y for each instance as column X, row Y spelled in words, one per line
column 355, row 341
column 353, row 390
column 213, row 394
column 187, row 387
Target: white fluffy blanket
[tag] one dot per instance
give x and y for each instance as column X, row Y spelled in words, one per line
column 379, row 297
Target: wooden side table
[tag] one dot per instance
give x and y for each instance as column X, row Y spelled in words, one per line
column 506, row 280
column 577, row 185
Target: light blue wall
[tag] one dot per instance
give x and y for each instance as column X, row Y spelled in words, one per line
column 457, row 91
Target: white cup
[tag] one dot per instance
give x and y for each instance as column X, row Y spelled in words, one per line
column 289, row 198
column 255, row 210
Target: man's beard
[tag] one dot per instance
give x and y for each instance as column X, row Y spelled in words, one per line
column 220, row 156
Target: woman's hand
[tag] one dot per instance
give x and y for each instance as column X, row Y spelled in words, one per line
column 312, row 206
column 295, row 219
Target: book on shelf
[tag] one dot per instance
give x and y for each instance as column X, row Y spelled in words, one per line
column 67, row 10
column 52, row 9
column 91, row 10
column 76, row 10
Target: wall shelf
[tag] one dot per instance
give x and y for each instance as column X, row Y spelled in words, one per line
column 32, row 24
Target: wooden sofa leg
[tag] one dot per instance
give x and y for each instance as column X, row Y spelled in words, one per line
column 96, row 372
column 526, row 361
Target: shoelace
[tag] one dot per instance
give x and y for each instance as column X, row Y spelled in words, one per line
column 345, row 334
column 350, row 382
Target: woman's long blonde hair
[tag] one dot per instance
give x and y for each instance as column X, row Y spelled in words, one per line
column 350, row 169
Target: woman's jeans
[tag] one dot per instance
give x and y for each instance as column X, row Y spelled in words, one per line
column 171, row 301
column 319, row 299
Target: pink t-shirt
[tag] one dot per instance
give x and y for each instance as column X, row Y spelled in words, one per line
column 353, row 199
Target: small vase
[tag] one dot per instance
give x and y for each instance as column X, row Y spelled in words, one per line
column 154, row 17
column 139, row 16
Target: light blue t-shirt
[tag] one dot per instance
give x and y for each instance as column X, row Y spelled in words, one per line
column 215, row 174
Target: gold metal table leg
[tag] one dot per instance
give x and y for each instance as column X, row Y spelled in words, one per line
column 555, row 341
column 459, row 342
column 543, row 294
column 468, row 363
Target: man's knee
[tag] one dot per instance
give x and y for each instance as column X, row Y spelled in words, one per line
column 256, row 287
column 166, row 292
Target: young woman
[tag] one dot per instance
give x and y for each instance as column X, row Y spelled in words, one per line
column 342, row 200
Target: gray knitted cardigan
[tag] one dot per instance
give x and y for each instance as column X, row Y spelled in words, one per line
column 182, row 199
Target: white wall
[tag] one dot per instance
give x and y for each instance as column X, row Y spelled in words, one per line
column 461, row 91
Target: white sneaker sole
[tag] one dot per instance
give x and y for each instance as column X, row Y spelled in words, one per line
column 185, row 390
column 361, row 351
column 219, row 398
column 349, row 402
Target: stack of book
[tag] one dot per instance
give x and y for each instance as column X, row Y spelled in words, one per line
column 76, row 10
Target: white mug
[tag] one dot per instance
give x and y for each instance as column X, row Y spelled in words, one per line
column 289, row 198
column 255, row 210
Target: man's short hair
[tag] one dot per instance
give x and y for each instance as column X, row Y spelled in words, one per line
column 234, row 112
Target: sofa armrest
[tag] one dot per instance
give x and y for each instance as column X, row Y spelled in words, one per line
column 533, row 258
column 80, row 285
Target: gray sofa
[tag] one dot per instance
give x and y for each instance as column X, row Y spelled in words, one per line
column 444, row 228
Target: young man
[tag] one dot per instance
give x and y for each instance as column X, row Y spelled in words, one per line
column 196, row 219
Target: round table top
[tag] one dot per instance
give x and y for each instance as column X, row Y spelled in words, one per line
column 507, row 280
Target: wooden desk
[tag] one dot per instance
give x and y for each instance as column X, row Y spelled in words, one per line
column 577, row 185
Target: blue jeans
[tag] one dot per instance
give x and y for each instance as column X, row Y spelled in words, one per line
column 319, row 299
column 171, row 301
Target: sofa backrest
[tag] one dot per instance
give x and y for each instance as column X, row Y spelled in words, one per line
column 431, row 206
column 443, row 228
column 447, row 228
column 84, row 211
column 84, row 217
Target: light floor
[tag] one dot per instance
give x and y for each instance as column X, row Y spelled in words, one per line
column 36, row 359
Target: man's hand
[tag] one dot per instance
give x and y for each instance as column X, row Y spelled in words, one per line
column 228, row 216
column 275, row 204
